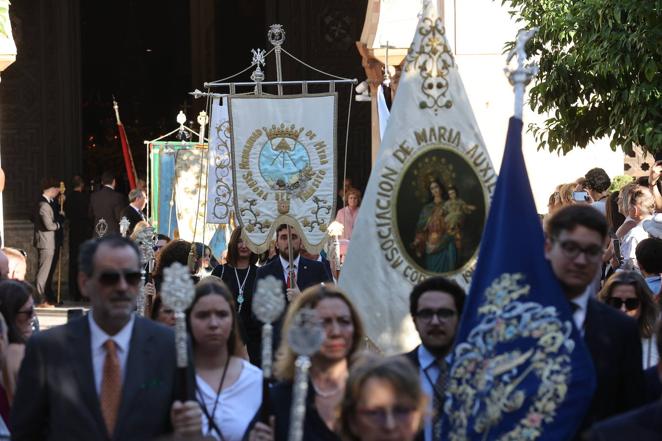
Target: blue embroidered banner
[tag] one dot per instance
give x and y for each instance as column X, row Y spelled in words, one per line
column 520, row 368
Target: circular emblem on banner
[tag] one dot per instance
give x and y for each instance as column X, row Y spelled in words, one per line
column 440, row 207
column 283, row 158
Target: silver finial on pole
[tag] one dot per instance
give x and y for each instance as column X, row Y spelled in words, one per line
column 124, row 226
column 203, row 119
column 258, row 76
column 276, row 36
column 177, row 293
column 145, row 242
column 305, row 338
column 268, row 305
column 522, row 74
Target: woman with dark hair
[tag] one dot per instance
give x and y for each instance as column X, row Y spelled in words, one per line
column 328, row 371
column 239, row 273
column 17, row 307
column 206, row 262
column 629, row 292
column 383, row 401
column 228, row 388
column 175, row 251
column 162, row 313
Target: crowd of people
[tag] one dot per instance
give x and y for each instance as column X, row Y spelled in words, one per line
column 112, row 374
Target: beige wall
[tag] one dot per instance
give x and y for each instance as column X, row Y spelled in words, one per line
column 477, row 30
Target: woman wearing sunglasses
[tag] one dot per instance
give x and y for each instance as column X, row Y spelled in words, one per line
column 383, row 401
column 228, row 387
column 17, row 307
column 328, row 371
column 628, row 291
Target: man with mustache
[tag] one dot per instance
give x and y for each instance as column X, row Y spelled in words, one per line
column 108, row 376
column 435, row 305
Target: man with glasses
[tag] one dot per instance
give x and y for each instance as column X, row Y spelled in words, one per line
column 435, row 305
column 574, row 245
column 109, row 375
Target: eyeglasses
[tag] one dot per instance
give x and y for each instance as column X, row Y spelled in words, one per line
column 379, row 416
column 109, row 278
column 441, row 314
column 28, row 312
column 630, row 304
column 572, row 249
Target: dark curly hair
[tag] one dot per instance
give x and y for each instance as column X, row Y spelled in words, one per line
column 597, row 180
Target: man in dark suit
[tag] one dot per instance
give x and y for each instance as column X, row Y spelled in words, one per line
column 134, row 211
column 305, row 273
column 574, row 246
column 436, row 306
column 643, row 424
column 107, row 204
column 77, row 207
column 45, row 241
column 109, row 375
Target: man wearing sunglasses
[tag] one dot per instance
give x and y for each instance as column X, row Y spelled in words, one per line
column 435, row 305
column 108, row 376
column 574, row 245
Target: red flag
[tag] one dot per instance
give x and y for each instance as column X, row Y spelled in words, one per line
column 126, row 149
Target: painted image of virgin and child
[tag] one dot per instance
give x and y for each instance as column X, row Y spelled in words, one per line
column 438, row 234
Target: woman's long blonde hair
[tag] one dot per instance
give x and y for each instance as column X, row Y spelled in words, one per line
column 285, row 357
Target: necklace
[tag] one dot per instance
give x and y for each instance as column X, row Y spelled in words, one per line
column 240, row 298
column 329, row 393
column 210, row 416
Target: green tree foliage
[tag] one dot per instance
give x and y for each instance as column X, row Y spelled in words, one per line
column 599, row 71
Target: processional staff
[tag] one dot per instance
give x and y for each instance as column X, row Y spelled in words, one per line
column 268, row 305
column 177, row 293
column 335, row 230
column 145, row 242
column 305, row 338
column 124, row 226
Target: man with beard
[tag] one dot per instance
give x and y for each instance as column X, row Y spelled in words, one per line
column 436, row 306
column 90, row 379
column 305, row 272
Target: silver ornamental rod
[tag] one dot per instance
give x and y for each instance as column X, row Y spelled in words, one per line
column 520, row 76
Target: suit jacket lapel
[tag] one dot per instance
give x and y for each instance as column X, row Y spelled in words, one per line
column 81, row 353
column 134, row 372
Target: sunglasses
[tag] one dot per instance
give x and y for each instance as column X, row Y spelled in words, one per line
column 630, row 304
column 28, row 312
column 109, row 277
column 441, row 314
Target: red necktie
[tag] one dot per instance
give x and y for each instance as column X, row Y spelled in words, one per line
column 111, row 386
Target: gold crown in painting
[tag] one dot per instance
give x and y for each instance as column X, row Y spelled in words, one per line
column 282, row 131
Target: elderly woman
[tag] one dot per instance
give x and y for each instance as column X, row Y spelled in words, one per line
column 629, row 292
column 383, row 401
column 329, row 367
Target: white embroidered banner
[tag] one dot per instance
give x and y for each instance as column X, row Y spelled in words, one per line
column 284, row 166
column 190, row 203
column 428, row 194
column 219, row 173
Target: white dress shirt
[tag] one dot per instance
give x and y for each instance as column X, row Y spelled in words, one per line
column 98, row 337
column 579, row 316
column 286, row 266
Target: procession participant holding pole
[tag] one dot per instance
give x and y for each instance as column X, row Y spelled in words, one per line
column 85, row 380
column 343, row 337
column 228, row 387
column 59, row 240
column 296, row 272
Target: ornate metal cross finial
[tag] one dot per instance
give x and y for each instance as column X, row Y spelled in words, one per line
column 177, row 293
column 523, row 73
column 145, row 242
column 203, row 119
